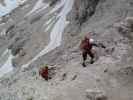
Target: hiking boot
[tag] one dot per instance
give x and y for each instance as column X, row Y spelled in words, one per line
column 92, row 61
column 83, row 64
column 46, row 78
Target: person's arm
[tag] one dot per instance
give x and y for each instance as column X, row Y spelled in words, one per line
column 95, row 44
column 102, row 45
column 98, row 45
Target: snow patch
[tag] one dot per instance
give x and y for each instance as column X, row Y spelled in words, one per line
column 58, row 6
column 40, row 5
column 49, row 21
column 10, row 5
column 3, row 57
column 50, row 24
column 7, row 67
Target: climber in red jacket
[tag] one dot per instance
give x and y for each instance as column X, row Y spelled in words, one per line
column 44, row 72
column 86, row 47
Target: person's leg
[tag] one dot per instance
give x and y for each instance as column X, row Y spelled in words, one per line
column 84, row 55
column 91, row 54
column 46, row 78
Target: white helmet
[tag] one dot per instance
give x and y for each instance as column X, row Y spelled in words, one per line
column 91, row 40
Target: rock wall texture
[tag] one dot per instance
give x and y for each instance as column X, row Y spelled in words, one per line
column 109, row 78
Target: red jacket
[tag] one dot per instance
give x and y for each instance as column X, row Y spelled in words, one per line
column 43, row 72
column 85, row 44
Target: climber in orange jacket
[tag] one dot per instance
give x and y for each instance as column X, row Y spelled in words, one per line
column 86, row 47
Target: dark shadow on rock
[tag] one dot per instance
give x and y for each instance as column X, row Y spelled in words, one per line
column 74, row 77
column 83, row 10
column 64, row 76
column 53, row 2
column 52, row 72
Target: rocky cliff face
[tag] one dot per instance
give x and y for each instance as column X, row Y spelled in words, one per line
column 83, row 9
column 26, row 31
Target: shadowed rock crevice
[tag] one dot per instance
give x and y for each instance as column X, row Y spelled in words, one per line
column 53, row 2
column 83, row 9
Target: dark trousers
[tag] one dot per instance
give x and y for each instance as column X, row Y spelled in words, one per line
column 84, row 55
